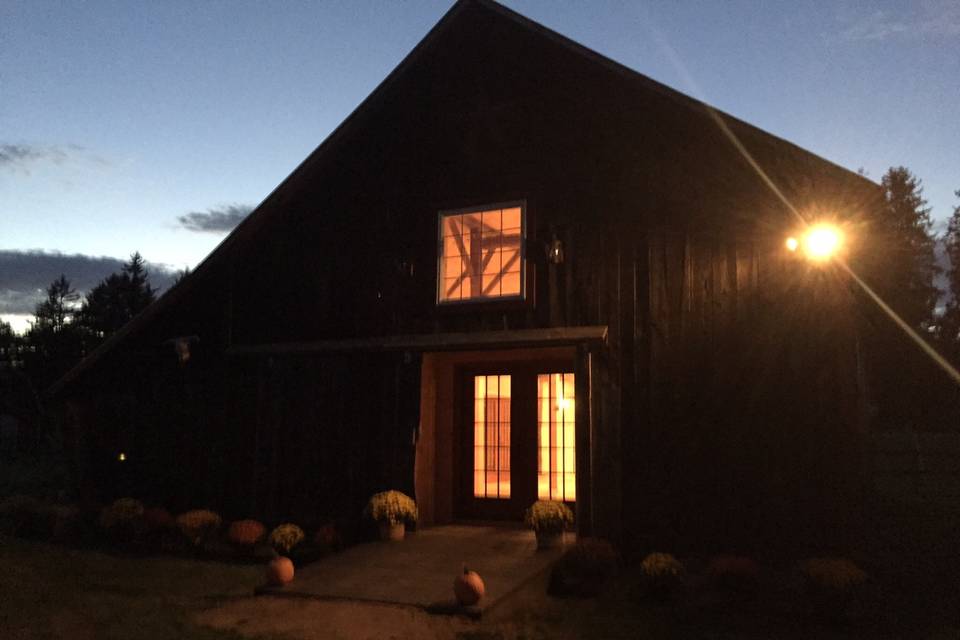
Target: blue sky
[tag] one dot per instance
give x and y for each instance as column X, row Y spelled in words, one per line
column 153, row 126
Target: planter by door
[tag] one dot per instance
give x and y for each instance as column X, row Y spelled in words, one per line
column 549, row 539
column 392, row 531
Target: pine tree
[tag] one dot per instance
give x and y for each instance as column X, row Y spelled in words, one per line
column 58, row 309
column 902, row 238
column 117, row 299
column 53, row 343
column 9, row 346
column 950, row 324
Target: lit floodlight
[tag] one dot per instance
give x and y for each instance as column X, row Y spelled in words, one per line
column 792, row 243
column 821, row 242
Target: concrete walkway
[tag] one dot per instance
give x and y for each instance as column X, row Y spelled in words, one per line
column 420, row 570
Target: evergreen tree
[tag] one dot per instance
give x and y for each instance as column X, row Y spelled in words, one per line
column 183, row 273
column 139, row 293
column 906, row 386
column 903, row 241
column 9, row 346
column 950, row 324
column 53, row 343
column 117, row 299
column 54, row 313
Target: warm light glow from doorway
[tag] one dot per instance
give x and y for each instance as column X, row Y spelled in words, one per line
column 491, row 436
column 556, row 437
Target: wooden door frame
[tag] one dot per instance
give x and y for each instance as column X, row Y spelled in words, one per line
column 523, row 415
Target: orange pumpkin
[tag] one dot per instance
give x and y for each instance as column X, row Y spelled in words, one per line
column 280, row 571
column 468, row 587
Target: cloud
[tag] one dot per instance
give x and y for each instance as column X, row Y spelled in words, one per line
column 21, row 156
column 930, row 18
column 876, row 26
column 215, row 219
column 25, row 275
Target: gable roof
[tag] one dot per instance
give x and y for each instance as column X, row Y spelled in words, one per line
column 248, row 228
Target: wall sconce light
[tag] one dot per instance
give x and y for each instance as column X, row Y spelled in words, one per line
column 405, row 267
column 555, row 251
column 819, row 243
column 181, row 347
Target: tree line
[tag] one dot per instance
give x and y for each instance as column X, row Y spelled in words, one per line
column 68, row 326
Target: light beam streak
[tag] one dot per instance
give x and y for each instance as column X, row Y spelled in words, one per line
column 911, row 333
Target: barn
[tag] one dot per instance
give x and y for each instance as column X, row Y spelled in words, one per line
column 518, row 270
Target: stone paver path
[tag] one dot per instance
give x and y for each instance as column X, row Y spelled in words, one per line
column 420, row 570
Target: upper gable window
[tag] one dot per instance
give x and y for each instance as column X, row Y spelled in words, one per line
column 481, row 253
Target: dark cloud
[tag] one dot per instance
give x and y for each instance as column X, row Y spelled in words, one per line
column 215, row 219
column 25, row 275
column 18, row 156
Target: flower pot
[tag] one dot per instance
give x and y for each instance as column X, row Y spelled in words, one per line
column 392, row 531
column 549, row 539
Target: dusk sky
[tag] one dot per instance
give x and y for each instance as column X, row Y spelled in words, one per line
column 155, row 126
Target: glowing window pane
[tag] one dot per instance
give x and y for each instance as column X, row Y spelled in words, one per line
column 481, row 254
column 491, row 433
column 556, row 437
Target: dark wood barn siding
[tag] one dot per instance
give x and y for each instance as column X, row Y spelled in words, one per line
column 668, row 238
column 323, row 434
column 751, row 430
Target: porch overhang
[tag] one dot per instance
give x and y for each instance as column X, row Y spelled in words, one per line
column 474, row 340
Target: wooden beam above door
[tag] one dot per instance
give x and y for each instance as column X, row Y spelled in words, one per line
column 554, row 336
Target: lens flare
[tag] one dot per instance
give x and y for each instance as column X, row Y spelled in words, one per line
column 792, row 243
column 822, row 242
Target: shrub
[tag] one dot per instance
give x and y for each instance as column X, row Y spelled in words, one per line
column 661, row 574
column 27, row 516
column 66, row 522
column 661, row 565
column 286, row 536
column 245, row 532
column 831, row 585
column 548, row 516
column 198, row 524
column 158, row 518
column 734, row 573
column 122, row 521
column 392, row 506
column 834, row 574
column 122, row 512
column 328, row 537
column 584, row 569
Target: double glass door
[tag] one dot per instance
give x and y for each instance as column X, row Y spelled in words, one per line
column 518, row 438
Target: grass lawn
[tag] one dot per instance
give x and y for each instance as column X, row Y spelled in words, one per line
column 47, row 591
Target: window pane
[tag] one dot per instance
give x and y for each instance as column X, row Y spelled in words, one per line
column 491, row 262
column 491, row 418
column 556, row 437
column 511, row 218
column 510, row 284
column 483, row 249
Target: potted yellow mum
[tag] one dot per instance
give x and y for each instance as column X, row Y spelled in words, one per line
column 548, row 519
column 392, row 510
